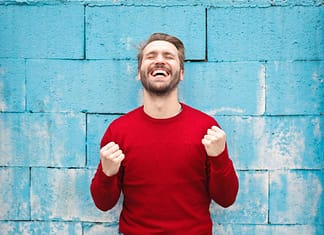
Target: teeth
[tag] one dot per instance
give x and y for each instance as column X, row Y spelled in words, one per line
column 159, row 73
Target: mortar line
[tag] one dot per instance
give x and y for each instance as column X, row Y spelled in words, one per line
column 84, row 33
column 206, row 35
column 30, row 194
column 86, row 141
column 268, row 219
column 265, row 87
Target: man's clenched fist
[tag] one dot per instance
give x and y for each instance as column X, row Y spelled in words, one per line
column 111, row 157
column 214, row 141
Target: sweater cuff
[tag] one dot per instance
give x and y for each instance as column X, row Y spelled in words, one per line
column 220, row 161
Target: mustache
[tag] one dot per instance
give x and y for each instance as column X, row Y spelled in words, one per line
column 159, row 66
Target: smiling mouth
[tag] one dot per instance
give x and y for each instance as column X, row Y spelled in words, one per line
column 159, row 73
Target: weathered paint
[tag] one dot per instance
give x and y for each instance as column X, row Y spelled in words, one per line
column 68, row 68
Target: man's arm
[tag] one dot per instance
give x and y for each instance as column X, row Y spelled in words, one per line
column 223, row 181
column 105, row 186
column 105, row 190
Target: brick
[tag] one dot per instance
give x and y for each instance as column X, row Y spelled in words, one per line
column 42, row 139
column 14, row 194
column 40, row 228
column 295, row 87
column 87, row 86
column 101, row 229
column 296, row 197
column 275, row 142
column 64, row 194
column 42, row 32
column 234, row 229
column 251, row 205
column 12, row 85
column 96, row 127
column 225, row 88
column 294, row 33
column 135, row 24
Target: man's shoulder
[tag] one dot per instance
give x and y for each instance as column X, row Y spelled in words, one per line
column 199, row 116
column 130, row 116
column 195, row 111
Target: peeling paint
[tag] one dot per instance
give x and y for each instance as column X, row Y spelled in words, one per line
column 6, row 193
column 261, row 96
column 6, row 142
column 129, row 43
column 269, row 98
column 280, row 147
column 3, row 105
column 317, row 128
column 315, row 76
column 296, row 197
column 131, row 69
column 225, row 109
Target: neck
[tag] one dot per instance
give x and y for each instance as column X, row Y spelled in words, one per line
column 162, row 106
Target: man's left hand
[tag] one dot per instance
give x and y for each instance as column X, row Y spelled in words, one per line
column 214, row 141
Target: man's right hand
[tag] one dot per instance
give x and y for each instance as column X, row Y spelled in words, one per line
column 111, row 157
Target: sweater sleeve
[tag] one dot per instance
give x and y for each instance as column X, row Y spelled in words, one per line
column 223, row 181
column 105, row 190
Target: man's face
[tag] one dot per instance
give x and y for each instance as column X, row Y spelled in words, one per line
column 160, row 70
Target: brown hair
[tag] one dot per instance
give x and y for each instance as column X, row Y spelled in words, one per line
column 163, row 37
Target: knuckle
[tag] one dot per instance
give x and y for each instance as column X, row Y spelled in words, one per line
column 103, row 154
column 223, row 134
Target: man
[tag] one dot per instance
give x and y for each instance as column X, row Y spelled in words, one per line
column 168, row 159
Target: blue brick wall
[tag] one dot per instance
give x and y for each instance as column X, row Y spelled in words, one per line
column 68, row 68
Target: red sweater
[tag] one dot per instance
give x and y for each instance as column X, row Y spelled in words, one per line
column 167, row 178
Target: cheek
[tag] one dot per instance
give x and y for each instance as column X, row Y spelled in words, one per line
column 144, row 66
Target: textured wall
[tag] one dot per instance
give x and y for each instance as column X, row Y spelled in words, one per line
column 68, row 68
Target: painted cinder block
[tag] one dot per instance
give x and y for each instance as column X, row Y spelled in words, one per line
column 14, row 193
column 135, row 24
column 295, row 88
column 251, row 204
column 42, row 31
column 225, row 88
column 38, row 139
column 12, row 85
column 40, row 228
column 64, row 195
column 96, row 127
column 236, row 34
column 87, row 86
column 266, row 144
column 293, row 142
column 236, row 229
column 296, row 197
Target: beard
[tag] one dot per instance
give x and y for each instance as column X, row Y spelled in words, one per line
column 157, row 89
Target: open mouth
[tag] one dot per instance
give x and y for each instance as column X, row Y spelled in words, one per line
column 159, row 73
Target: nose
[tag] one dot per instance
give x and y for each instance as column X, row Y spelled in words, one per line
column 159, row 59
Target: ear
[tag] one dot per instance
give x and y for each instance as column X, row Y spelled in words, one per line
column 138, row 75
column 182, row 75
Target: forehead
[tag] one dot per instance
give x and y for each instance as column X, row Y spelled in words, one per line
column 160, row 46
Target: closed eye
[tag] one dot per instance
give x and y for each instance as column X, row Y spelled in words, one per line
column 169, row 56
column 150, row 56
